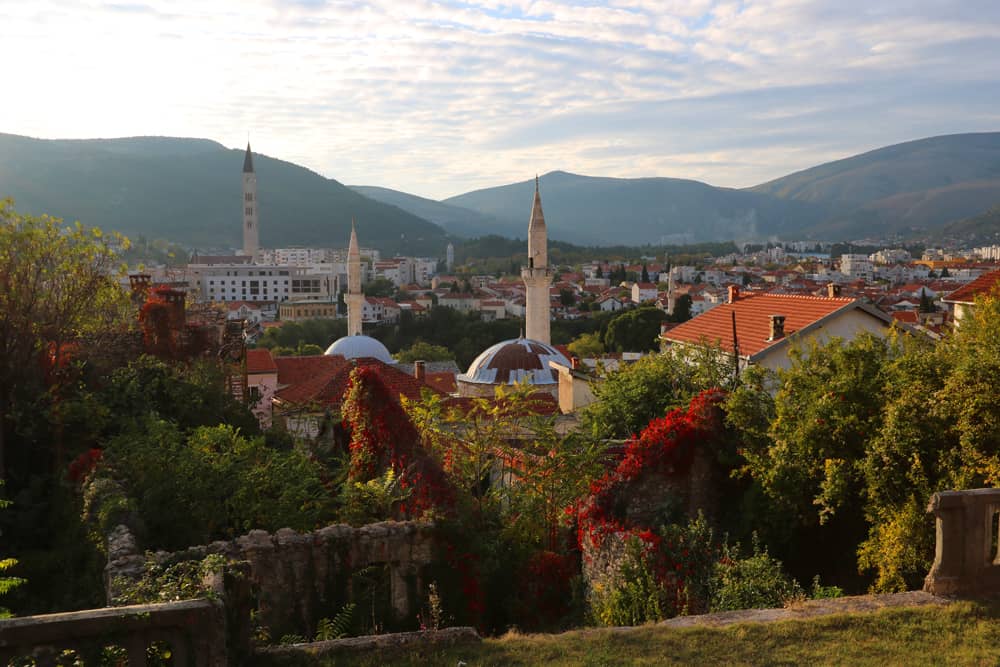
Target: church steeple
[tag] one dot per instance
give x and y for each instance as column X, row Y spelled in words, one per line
column 251, row 232
column 248, row 161
column 537, row 276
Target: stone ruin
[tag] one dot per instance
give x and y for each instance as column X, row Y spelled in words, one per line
column 299, row 578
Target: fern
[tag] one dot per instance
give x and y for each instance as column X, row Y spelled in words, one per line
column 337, row 627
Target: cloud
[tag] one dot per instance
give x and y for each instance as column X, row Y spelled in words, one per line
column 441, row 96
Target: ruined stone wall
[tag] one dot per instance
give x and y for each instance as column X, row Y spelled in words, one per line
column 302, row 577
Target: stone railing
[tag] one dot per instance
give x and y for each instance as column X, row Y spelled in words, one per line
column 966, row 558
column 194, row 631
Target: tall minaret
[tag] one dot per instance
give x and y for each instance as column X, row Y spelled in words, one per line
column 355, row 299
column 537, row 276
column 251, row 241
column 671, row 299
column 449, row 257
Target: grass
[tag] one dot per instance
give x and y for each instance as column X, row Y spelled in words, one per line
column 964, row 633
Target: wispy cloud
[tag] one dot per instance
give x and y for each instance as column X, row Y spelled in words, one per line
column 441, row 96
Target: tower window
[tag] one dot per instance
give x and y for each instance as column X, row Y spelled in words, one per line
column 249, row 210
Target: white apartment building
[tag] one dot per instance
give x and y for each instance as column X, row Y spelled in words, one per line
column 857, row 266
column 890, row 256
column 991, row 252
column 259, row 282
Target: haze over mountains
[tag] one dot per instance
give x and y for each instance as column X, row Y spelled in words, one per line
column 188, row 191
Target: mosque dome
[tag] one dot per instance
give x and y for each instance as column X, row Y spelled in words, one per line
column 358, row 347
column 510, row 361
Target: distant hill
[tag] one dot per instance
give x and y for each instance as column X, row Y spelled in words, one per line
column 189, row 191
column 902, row 189
column 455, row 219
column 982, row 229
column 612, row 211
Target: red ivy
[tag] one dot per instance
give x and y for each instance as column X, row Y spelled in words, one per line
column 383, row 437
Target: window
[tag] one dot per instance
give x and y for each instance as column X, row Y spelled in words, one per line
column 249, row 210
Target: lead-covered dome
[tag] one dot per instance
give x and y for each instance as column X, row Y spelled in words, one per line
column 359, row 347
column 510, row 361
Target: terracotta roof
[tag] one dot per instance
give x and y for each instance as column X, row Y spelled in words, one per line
column 328, row 388
column 260, row 361
column 908, row 316
column 981, row 286
column 296, row 370
column 444, row 382
column 753, row 313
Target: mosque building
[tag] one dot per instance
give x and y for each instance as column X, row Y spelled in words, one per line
column 524, row 359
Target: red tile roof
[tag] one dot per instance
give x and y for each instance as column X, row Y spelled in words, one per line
column 753, row 313
column 328, row 388
column 260, row 361
column 296, row 370
column 443, row 381
column 981, row 286
column 907, row 316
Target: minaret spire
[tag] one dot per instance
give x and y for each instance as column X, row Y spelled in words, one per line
column 251, row 231
column 537, row 275
column 354, row 296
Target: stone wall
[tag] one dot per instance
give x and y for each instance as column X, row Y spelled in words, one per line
column 299, row 578
column 966, row 557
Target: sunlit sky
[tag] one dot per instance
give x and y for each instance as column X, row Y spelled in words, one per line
column 438, row 98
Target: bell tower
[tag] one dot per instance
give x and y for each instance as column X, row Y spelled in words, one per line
column 251, row 238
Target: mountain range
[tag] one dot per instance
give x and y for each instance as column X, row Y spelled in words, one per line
column 185, row 190
column 189, row 191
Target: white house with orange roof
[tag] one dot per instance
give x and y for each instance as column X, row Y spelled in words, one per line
column 262, row 382
column 963, row 300
column 759, row 328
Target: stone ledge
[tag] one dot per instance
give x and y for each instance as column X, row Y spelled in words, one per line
column 389, row 642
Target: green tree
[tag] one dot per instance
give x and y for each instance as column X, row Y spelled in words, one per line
column 635, row 330
column 682, row 308
column 926, row 304
column 424, row 351
column 380, row 287
column 567, row 297
column 59, row 285
column 588, row 345
column 627, row 399
column 645, row 274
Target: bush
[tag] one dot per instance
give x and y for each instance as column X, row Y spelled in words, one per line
column 633, row 596
column 755, row 582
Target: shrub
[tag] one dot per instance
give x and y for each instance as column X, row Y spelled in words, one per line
column 755, row 582
column 633, row 595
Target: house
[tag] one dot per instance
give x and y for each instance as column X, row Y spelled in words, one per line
column 262, row 382
column 963, row 300
column 379, row 310
column 642, row 292
column 610, row 304
column 759, row 327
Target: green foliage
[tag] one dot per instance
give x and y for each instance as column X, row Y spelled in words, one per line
column 754, row 582
column 7, row 584
column 635, row 330
column 588, row 345
column 337, row 627
column 371, row 501
column 380, row 287
column 630, row 397
column 632, row 596
column 422, row 350
column 212, row 483
column 59, row 284
column 160, row 582
column 292, row 335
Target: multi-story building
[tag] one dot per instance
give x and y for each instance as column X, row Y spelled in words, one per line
column 857, row 266
column 258, row 282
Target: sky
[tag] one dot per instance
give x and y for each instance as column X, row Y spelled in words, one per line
column 441, row 97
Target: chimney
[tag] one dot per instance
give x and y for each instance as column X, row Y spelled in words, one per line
column 575, row 362
column 419, row 370
column 734, row 293
column 833, row 290
column 777, row 327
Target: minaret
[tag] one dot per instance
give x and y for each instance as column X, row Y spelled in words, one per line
column 537, row 276
column 251, row 242
column 449, row 257
column 671, row 300
column 355, row 299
